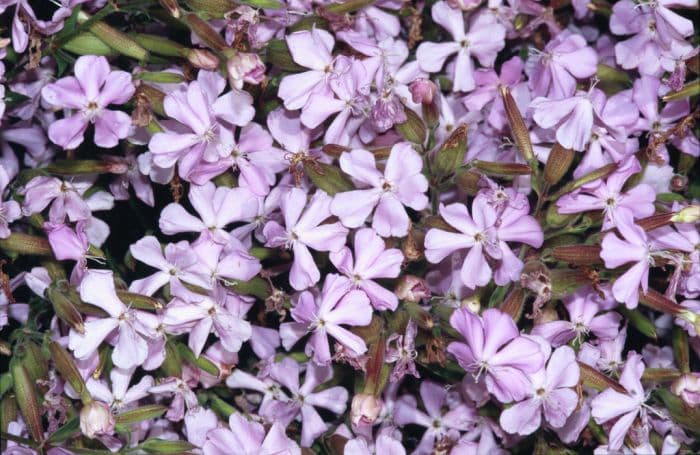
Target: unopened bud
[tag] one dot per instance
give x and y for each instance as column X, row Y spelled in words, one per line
column 277, row 53
column 655, row 221
column 365, row 409
column 245, row 67
column 412, row 245
column 34, row 361
column 114, row 38
column 468, row 181
column 205, row 32
column 96, row 419
column 348, row 6
column 607, row 73
column 328, row 177
column 69, row 371
column 558, row 163
column 578, row 254
column 412, row 129
column 554, row 219
column 499, row 168
column 690, row 214
column 335, row 150
column 451, row 155
column 160, row 77
column 679, row 183
column 689, row 90
column 597, row 380
column 513, row 304
column 27, row 401
column 464, row 5
column 412, row 289
column 80, row 167
column 26, row 244
column 520, row 133
column 688, row 388
column 153, row 97
column 422, row 91
column 202, row 59
column 659, row 302
column 592, row 176
column 171, row 7
column 213, row 8
column 88, row 44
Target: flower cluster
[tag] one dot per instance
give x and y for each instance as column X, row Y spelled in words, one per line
column 349, row 227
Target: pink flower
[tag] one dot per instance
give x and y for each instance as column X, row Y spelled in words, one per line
column 488, row 84
column 437, row 422
column 371, row 261
column 345, row 98
column 402, row 183
column 200, row 110
column 483, row 41
column 217, row 207
column 495, row 348
column 583, row 318
column 656, row 29
column 303, row 230
column 132, row 327
column 611, row 404
column 120, row 396
column 224, row 263
column 253, row 154
column 637, row 201
column 304, row 399
column 339, row 304
column 553, row 72
column 177, row 262
column 245, row 436
column 203, row 314
column 65, row 198
column 485, row 234
column 310, row 49
column 572, row 117
column 9, row 210
column 552, row 394
column 90, row 92
column 633, row 247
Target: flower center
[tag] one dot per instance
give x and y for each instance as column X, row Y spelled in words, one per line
column 92, row 111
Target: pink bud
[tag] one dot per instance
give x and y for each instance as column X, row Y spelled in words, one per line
column 245, row 67
column 365, row 409
column 688, row 388
column 422, row 91
column 412, row 289
column 96, row 419
column 203, row 59
column 464, row 5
